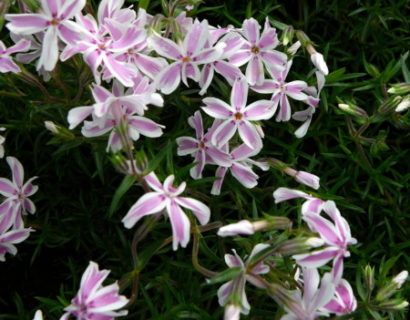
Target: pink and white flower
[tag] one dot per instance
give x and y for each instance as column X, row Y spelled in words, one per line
column 257, row 51
column 236, row 287
column 166, row 196
column 16, row 193
column 201, row 147
column 187, row 56
column 281, row 90
column 312, row 204
column 53, row 19
column 237, row 116
column 8, row 239
column 6, row 63
column 93, row 301
column 309, row 304
column 344, row 301
column 337, row 238
column 240, row 168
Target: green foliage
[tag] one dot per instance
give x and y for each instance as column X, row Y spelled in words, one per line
column 363, row 163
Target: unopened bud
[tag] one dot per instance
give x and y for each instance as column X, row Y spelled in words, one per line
column 369, row 278
column 400, row 278
column 50, row 126
column 393, row 305
column 287, row 35
column 390, row 105
column 308, row 179
column 38, row 315
column 120, row 163
column 232, row 312
column 294, row 246
column 294, row 48
column 353, row 110
column 59, row 131
column 399, row 88
column 403, row 105
column 304, row 39
column 244, row 227
column 319, row 62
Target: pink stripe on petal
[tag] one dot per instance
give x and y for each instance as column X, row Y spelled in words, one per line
column 228, row 71
column 244, row 175
column 195, row 38
column 69, row 32
column 274, row 60
column 165, row 47
column 240, row 58
column 224, row 132
column 316, row 259
column 28, row 23
column 186, row 145
column 169, row 78
column 21, row 46
column 217, row 185
column 149, row 203
column 268, row 40
column 17, row 171
column 7, row 188
column 121, row 71
column 267, row 86
column 251, row 30
column 208, row 55
column 196, row 172
column 217, row 108
column 180, row 225
column 49, row 50
column 219, row 157
column 284, row 194
column 151, row 66
column 254, row 71
column 201, row 211
column 7, row 65
column 239, row 94
column 233, row 260
column 146, row 126
column 324, row 227
column 243, row 152
column 153, row 182
column 284, row 110
column 78, row 115
column 260, row 110
column 91, row 279
column 249, row 135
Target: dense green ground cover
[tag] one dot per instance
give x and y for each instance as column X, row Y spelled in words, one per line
column 365, row 44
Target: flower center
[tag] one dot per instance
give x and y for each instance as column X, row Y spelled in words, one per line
column 54, row 22
column 238, row 116
column 186, row 59
column 102, row 46
column 202, row 145
column 255, row 50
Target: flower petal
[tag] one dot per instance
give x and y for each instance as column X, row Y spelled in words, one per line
column 180, row 225
column 201, row 211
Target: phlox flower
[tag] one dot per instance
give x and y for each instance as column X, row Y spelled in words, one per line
column 312, row 204
column 201, row 147
column 240, row 167
column 187, row 56
column 238, row 116
column 8, row 239
column 6, row 63
column 236, row 287
column 281, row 90
column 258, row 50
column 166, row 196
column 118, row 113
column 232, row 43
column 344, row 301
column 93, row 301
column 309, row 303
column 16, row 193
column 336, row 235
column 54, row 20
column 312, row 100
column 105, row 40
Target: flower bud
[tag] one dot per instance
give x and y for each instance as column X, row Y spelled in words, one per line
column 389, row 105
column 232, row 312
column 294, row 48
column 400, row 278
column 294, row 246
column 403, row 105
column 50, row 126
column 59, row 131
column 287, row 35
column 319, row 62
column 304, row 40
column 38, row 315
column 369, row 278
column 242, row 227
column 399, row 88
column 308, row 179
column 353, row 110
column 393, row 305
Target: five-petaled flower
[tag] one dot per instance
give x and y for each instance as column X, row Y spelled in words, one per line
column 93, row 301
column 16, row 193
column 237, row 116
column 167, row 197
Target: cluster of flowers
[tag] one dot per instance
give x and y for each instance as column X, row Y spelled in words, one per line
column 129, row 51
